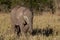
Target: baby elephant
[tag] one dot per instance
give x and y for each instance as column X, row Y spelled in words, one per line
column 23, row 17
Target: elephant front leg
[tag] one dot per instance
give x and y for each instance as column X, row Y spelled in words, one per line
column 30, row 29
column 22, row 29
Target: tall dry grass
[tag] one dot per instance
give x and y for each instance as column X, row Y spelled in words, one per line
column 39, row 22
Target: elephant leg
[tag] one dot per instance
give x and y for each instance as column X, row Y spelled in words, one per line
column 22, row 28
column 30, row 26
column 17, row 29
column 26, row 28
column 30, row 29
column 28, row 22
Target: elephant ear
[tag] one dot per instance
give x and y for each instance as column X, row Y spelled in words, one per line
column 26, row 19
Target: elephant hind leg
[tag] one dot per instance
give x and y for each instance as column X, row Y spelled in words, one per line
column 17, row 29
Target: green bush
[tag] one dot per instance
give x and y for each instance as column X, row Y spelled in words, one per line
column 35, row 4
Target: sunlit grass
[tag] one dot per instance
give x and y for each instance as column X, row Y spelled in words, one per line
column 39, row 21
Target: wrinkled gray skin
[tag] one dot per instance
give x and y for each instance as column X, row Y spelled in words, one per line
column 20, row 15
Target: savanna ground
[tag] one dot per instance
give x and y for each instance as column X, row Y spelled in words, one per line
column 39, row 21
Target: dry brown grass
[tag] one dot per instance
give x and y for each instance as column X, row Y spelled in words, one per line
column 39, row 21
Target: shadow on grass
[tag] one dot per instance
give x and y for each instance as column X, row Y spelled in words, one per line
column 45, row 32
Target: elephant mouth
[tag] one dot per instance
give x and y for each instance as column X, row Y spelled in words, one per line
column 25, row 23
